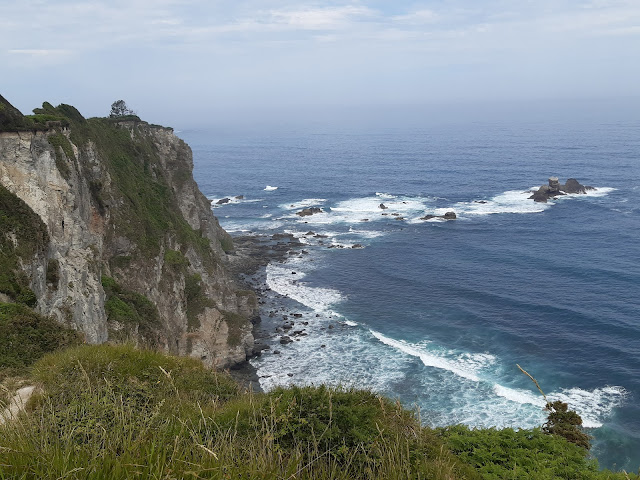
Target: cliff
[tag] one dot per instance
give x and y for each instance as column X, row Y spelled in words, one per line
column 105, row 229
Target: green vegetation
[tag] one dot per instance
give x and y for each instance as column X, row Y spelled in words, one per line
column 175, row 258
column 196, row 300
column 147, row 208
column 515, row 454
column 53, row 272
column 227, row 244
column 61, row 145
column 566, row 423
column 23, row 235
column 129, row 314
column 115, row 412
column 236, row 324
column 26, row 336
column 45, row 118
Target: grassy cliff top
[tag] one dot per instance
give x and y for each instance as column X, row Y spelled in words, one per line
column 112, row 412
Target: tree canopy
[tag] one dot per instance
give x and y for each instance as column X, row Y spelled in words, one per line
column 120, row 109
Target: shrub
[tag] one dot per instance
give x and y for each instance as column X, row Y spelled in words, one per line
column 53, row 272
column 130, row 314
column 26, row 336
column 566, row 424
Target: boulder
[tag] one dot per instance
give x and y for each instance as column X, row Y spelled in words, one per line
column 222, row 201
column 382, row 206
column 239, row 197
column 573, row 186
column 284, row 340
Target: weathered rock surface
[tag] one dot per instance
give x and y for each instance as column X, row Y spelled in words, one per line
column 555, row 189
column 309, row 211
column 174, row 255
column 446, row 216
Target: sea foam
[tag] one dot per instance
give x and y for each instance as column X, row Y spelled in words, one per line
column 281, row 279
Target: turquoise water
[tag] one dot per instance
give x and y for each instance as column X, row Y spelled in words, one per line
column 439, row 313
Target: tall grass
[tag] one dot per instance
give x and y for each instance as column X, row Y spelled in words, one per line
column 114, row 412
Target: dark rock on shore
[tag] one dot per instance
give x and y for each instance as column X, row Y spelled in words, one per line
column 309, row 211
column 222, row 201
column 556, row 189
column 284, row 340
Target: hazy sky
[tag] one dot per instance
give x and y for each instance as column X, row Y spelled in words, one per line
column 175, row 59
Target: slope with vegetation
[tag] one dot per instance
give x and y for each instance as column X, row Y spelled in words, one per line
column 105, row 230
column 116, row 412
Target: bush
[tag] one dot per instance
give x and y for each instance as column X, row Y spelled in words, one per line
column 130, row 314
column 26, row 336
column 522, row 454
column 53, row 272
column 566, row 424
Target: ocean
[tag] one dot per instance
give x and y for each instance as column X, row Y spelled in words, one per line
column 435, row 313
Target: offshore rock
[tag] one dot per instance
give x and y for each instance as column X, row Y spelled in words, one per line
column 309, row 211
column 555, row 189
column 446, row 216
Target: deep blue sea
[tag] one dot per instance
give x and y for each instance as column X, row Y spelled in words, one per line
column 438, row 313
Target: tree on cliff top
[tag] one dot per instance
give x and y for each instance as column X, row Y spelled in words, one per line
column 119, row 109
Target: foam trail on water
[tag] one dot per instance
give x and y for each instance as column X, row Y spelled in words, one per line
column 427, row 359
column 280, row 279
column 593, row 406
column 307, row 202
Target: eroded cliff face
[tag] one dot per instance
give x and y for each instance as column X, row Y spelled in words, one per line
column 137, row 251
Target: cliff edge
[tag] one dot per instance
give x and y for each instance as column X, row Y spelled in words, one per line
column 105, row 229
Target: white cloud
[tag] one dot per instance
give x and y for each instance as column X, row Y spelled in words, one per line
column 331, row 18
column 419, row 17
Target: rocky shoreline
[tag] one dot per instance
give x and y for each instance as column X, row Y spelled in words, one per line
column 247, row 264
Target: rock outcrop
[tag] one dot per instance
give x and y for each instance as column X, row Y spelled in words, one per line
column 556, row 189
column 133, row 251
column 446, row 216
column 305, row 212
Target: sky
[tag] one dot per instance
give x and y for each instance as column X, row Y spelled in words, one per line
column 182, row 61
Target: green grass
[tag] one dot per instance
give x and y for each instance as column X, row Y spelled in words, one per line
column 115, row 412
column 62, row 148
column 26, row 336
